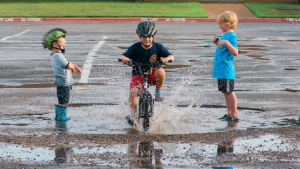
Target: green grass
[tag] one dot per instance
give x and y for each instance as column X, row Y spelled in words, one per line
column 101, row 9
column 270, row 10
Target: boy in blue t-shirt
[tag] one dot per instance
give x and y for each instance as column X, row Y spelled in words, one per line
column 55, row 41
column 145, row 52
column 223, row 67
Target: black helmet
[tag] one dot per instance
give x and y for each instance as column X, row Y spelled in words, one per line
column 146, row 28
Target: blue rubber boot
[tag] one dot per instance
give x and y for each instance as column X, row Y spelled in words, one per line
column 61, row 113
column 57, row 109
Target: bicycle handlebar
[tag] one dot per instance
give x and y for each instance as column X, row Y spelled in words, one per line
column 133, row 63
column 139, row 65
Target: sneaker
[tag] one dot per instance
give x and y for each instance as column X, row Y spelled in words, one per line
column 129, row 120
column 225, row 115
column 159, row 97
column 229, row 118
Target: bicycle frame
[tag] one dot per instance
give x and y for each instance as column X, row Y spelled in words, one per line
column 146, row 101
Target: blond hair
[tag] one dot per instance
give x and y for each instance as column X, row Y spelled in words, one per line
column 229, row 18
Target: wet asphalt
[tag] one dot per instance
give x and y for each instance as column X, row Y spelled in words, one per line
column 185, row 132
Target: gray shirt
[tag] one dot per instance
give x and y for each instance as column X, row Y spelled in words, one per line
column 63, row 75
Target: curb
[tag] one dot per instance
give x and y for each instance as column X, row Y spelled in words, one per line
column 288, row 20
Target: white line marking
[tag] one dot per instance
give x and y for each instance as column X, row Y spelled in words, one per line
column 87, row 66
column 4, row 39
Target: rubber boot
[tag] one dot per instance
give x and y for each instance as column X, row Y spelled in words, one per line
column 61, row 113
column 56, row 112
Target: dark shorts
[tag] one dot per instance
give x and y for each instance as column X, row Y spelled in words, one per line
column 225, row 85
column 63, row 94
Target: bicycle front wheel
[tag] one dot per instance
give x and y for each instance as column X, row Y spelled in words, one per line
column 145, row 110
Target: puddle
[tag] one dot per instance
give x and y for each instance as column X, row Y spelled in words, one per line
column 15, row 124
column 29, row 86
column 291, row 90
column 290, row 69
column 192, row 60
column 253, row 47
column 258, row 57
column 15, row 153
column 111, row 40
column 243, row 52
column 90, row 104
column 292, row 40
column 261, row 58
column 205, row 46
column 49, row 85
column 287, row 122
column 244, row 49
column 145, row 154
column 122, row 47
column 171, row 66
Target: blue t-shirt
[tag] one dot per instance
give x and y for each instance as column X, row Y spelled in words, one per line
column 138, row 54
column 63, row 75
column 223, row 67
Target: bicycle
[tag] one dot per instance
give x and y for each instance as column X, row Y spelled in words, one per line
column 146, row 100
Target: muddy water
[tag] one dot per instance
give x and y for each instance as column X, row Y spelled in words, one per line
column 251, row 150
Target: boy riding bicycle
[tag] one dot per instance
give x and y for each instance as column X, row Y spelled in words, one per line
column 146, row 51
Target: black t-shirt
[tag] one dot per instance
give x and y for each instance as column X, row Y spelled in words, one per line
column 138, row 54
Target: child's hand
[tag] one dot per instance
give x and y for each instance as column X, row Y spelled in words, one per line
column 79, row 71
column 72, row 70
column 216, row 40
column 125, row 59
column 164, row 60
column 221, row 43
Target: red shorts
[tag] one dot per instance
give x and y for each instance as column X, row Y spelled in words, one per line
column 137, row 81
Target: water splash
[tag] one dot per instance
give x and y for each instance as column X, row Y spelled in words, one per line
column 170, row 113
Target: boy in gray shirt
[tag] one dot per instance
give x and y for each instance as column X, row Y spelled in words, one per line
column 55, row 41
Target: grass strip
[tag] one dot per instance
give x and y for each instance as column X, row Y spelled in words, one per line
column 274, row 10
column 102, row 9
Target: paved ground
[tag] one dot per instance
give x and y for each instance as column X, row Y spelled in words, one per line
column 185, row 133
column 213, row 10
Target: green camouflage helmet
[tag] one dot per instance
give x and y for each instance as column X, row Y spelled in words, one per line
column 51, row 36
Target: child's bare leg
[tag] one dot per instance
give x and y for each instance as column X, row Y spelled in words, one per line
column 133, row 101
column 227, row 104
column 159, row 78
column 232, row 103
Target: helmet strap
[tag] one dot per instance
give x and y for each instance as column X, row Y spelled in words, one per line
column 59, row 48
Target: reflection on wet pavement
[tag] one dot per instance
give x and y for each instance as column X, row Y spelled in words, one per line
column 146, row 154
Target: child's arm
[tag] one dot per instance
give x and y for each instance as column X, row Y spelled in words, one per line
column 74, row 68
column 125, row 59
column 166, row 59
column 231, row 48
